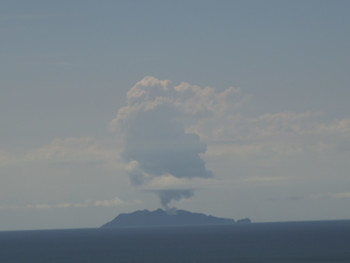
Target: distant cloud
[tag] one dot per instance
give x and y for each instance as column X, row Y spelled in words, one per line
column 341, row 195
column 116, row 201
column 71, row 150
column 23, row 17
column 39, row 206
column 107, row 203
column 274, row 137
column 81, row 149
column 264, row 179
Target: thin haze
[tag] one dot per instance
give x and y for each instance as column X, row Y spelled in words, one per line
column 231, row 108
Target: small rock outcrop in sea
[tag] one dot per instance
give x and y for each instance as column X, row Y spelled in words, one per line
column 160, row 217
column 244, row 221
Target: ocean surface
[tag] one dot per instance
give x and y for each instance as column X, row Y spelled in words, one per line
column 324, row 241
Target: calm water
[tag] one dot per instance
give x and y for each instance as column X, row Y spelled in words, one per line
column 264, row 242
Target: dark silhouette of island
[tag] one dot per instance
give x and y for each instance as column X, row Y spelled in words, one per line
column 160, row 217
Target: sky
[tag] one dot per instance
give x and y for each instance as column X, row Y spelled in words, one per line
column 230, row 108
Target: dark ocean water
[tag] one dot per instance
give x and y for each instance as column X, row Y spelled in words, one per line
column 326, row 241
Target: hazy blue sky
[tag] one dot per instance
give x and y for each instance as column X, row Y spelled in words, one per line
column 235, row 108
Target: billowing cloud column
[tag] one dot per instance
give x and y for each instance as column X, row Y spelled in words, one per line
column 155, row 141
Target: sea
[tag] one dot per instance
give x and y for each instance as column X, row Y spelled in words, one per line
column 302, row 242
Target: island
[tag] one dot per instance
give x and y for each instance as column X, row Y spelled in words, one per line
column 159, row 217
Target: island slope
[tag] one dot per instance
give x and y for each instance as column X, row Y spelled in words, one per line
column 161, row 218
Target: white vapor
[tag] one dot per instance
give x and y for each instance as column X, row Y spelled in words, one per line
column 154, row 125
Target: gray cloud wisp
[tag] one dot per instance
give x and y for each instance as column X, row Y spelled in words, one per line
column 168, row 195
